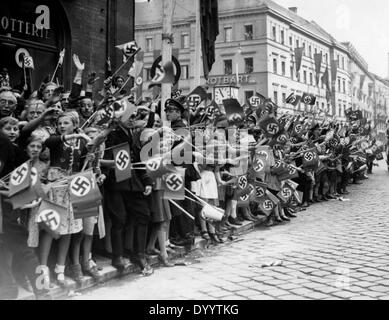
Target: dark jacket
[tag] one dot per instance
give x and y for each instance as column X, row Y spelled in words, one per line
column 139, row 178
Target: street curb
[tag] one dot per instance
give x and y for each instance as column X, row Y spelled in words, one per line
column 109, row 272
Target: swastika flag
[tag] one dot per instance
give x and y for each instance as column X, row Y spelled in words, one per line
column 29, row 195
column 174, row 185
column 122, row 158
column 156, row 168
column 310, row 159
column 20, row 179
column 83, row 189
column 285, row 193
column 265, row 205
column 270, row 126
column 50, row 217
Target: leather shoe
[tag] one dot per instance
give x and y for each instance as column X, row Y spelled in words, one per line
column 119, row 263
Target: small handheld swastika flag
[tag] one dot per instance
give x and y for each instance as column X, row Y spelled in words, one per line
column 122, row 160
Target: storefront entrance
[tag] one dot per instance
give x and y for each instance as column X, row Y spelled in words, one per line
column 19, row 34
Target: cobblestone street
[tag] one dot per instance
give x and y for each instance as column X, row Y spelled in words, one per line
column 334, row 250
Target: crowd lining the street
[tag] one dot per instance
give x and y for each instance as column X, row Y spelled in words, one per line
column 61, row 133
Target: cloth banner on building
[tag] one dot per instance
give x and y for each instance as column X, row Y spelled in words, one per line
column 136, row 71
column 209, row 22
column 318, row 57
column 334, row 70
column 362, row 81
column 298, row 55
column 122, row 158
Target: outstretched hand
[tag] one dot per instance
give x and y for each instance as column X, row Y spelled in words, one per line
column 80, row 66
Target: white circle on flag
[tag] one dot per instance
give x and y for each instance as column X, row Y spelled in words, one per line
column 272, row 128
column 19, row 175
column 122, row 160
column 268, row 205
column 139, row 81
column 309, row 156
column 18, row 53
column 174, row 182
column 153, row 164
column 80, row 186
column 242, row 182
column 51, row 218
column 258, row 165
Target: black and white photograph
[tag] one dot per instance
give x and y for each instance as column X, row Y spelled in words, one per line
column 194, row 153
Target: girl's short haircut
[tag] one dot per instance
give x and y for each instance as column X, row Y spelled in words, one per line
column 33, row 138
column 8, row 120
column 73, row 115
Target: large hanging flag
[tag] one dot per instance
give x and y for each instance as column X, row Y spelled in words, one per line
column 174, row 185
column 293, row 99
column 325, row 79
column 50, row 216
column 362, row 81
column 195, row 98
column 20, row 179
column 270, row 126
column 298, row 56
column 121, row 154
column 164, row 74
column 209, row 21
column 84, row 191
column 318, row 57
column 334, row 70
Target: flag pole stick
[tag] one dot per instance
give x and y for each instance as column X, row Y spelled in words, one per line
column 167, row 30
column 198, row 64
column 182, row 209
column 55, row 71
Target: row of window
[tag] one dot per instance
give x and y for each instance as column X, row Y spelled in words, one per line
column 308, row 52
column 185, row 43
column 248, row 65
column 247, row 35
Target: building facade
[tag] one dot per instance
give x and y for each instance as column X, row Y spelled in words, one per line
column 255, row 51
column 88, row 28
